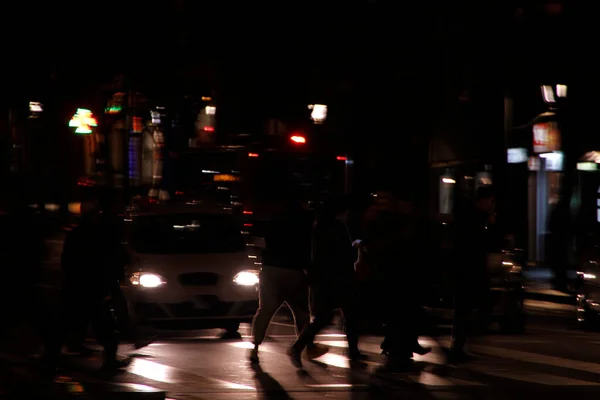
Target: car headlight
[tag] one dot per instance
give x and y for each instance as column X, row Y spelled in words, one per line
column 246, row 278
column 146, row 280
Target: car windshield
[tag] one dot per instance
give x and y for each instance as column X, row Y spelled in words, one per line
column 186, row 233
column 311, row 176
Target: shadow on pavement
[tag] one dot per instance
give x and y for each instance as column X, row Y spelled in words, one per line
column 268, row 387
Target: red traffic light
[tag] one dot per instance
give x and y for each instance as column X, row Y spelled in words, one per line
column 298, row 139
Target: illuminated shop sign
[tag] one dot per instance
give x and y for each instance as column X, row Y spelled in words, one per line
column 546, row 137
column 83, row 121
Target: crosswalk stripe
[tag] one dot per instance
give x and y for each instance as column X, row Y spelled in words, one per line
column 339, row 361
column 173, row 376
column 529, row 376
column 539, row 358
column 430, row 379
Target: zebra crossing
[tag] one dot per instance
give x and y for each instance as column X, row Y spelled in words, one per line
column 495, row 367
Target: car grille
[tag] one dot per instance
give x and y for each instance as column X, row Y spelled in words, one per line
column 199, row 279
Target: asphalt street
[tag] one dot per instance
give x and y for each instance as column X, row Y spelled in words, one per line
column 552, row 359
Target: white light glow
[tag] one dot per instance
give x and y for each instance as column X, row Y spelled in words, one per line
column 35, row 106
column 246, row 278
column 448, row 180
column 561, row 90
column 548, row 94
column 587, row 166
column 319, row 112
column 516, row 155
column 146, row 280
column 210, row 110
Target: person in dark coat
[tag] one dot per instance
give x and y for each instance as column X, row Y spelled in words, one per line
column 331, row 279
column 283, row 279
column 474, row 237
column 90, row 263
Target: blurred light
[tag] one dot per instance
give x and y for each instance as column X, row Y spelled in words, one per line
column 155, row 115
column 146, row 280
column 246, row 278
column 587, row 166
column 548, row 94
column 589, row 276
column 253, row 155
column 298, row 139
column 138, row 126
column 51, row 207
column 35, row 106
column 113, row 109
column 561, row 90
column 319, row 113
column 75, row 208
column 516, row 155
column 448, row 180
column 210, row 110
column 246, row 212
column 83, row 120
column 209, row 129
column 248, row 225
column 204, row 98
column 341, row 158
column 554, row 161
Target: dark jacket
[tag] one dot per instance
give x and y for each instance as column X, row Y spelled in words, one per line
column 473, row 241
column 287, row 240
column 93, row 258
column 333, row 256
column 21, row 252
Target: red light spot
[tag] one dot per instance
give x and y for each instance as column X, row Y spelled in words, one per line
column 254, row 155
column 248, row 225
column 246, row 212
column 298, row 139
column 179, row 193
column 209, row 129
column 341, row 158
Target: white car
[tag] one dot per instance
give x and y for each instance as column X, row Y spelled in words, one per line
column 191, row 269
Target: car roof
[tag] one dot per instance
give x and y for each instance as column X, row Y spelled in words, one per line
column 176, row 209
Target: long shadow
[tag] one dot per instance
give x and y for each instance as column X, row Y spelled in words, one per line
column 270, row 388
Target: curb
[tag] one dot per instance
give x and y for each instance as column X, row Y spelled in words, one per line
column 550, row 298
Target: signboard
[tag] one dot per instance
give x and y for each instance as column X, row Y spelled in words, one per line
column 546, row 137
column 83, row 121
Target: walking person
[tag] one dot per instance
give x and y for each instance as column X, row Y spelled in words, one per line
column 331, row 280
column 89, row 279
column 283, row 278
column 391, row 240
column 474, row 240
